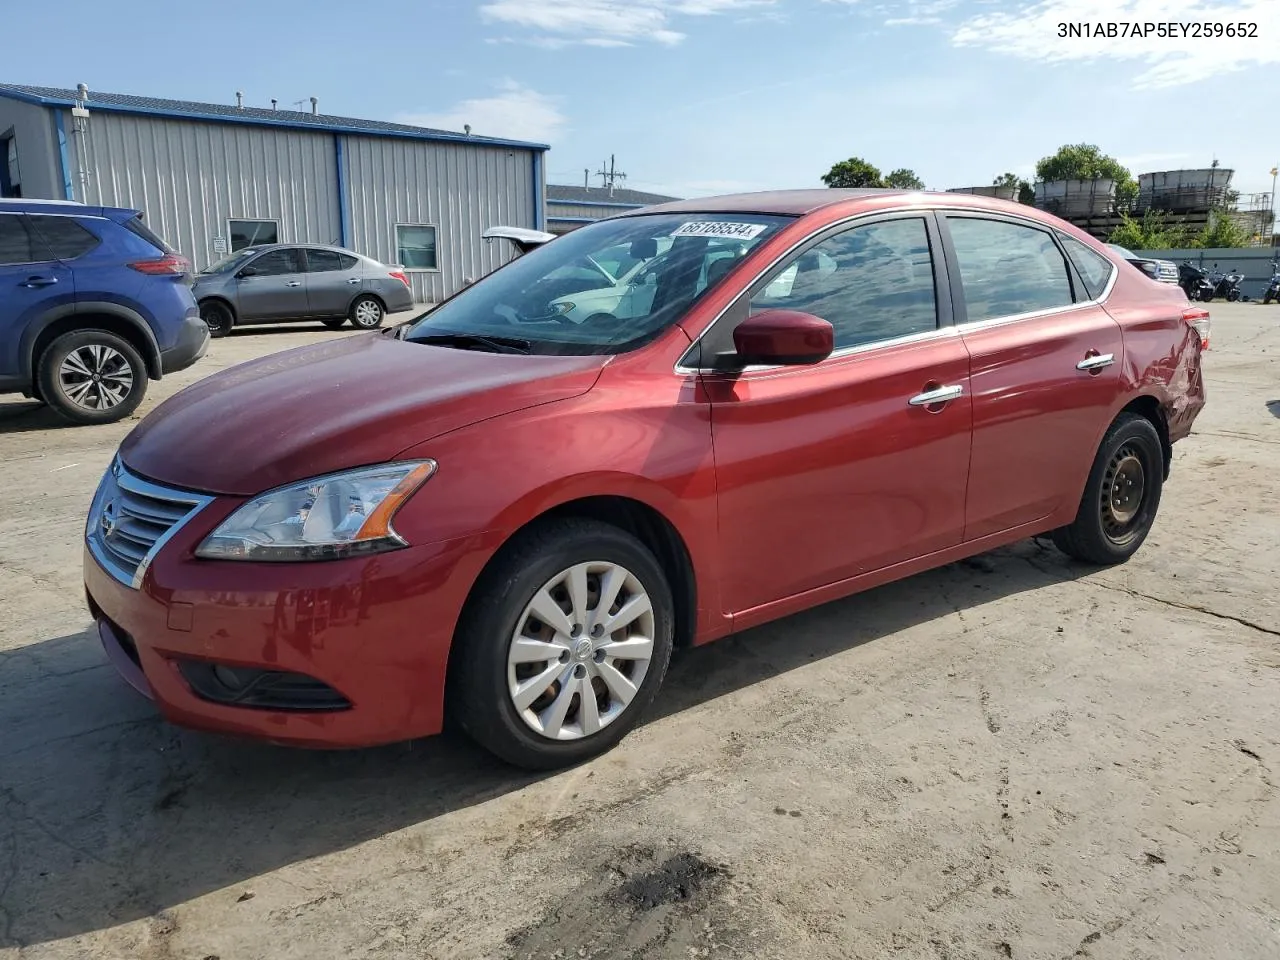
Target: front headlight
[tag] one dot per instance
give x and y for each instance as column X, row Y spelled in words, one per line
column 561, row 308
column 326, row 518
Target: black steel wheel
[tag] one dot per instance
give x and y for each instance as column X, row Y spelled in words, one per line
column 1121, row 496
column 217, row 316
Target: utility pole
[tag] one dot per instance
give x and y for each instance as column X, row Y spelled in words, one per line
column 1275, row 227
column 610, row 175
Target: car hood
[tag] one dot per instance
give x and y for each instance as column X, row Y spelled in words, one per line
column 326, row 407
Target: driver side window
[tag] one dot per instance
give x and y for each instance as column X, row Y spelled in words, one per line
column 871, row 283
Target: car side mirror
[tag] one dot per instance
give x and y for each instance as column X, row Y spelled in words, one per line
column 781, row 338
column 247, row 272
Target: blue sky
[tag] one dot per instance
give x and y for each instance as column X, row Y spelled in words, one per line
column 704, row 96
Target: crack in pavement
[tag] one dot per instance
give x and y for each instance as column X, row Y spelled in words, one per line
column 1192, row 607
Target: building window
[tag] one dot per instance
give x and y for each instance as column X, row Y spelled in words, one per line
column 10, row 176
column 416, row 246
column 252, row 233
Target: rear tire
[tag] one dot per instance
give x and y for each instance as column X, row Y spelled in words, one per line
column 92, row 377
column 1266, row 298
column 1121, row 496
column 557, row 727
column 367, row 313
column 217, row 317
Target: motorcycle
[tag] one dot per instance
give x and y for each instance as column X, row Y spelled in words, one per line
column 1273, row 289
column 1194, row 282
column 1228, row 285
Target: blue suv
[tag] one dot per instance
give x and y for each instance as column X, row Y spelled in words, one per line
column 92, row 305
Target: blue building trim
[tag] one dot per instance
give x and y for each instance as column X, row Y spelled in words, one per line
column 438, row 136
column 539, row 197
column 344, row 199
column 68, row 189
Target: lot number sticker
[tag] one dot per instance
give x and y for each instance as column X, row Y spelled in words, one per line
column 712, row 228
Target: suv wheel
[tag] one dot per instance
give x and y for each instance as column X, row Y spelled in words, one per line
column 367, row 313
column 217, row 317
column 92, row 376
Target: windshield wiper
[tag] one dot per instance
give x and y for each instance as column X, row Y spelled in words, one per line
column 468, row 341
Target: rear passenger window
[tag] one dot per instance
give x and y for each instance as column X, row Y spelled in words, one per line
column 1094, row 268
column 17, row 243
column 872, row 283
column 1007, row 269
column 320, row 261
column 65, row 237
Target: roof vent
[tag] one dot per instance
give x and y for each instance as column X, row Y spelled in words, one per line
column 273, row 103
column 239, row 100
column 314, row 101
column 82, row 92
column 466, row 128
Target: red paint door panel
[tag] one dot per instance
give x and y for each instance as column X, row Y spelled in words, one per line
column 1037, row 414
column 827, row 472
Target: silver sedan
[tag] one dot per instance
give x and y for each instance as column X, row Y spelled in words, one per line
column 282, row 282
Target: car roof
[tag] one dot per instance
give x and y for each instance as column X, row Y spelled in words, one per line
column 791, row 203
column 264, row 247
column 65, row 207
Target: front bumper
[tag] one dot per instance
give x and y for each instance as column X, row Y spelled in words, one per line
column 376, row 630
column 192, row 344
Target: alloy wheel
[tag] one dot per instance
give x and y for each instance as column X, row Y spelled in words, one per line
column 96, row 376
column 580, row 650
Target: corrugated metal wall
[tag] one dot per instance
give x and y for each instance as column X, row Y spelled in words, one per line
column 190, row 177
column 460, row 189
column 574, row 211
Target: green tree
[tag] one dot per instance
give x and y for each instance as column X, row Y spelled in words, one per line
column 1223, row 232
column 1085, row 161
column 854, row 172
column 1152, row 232
column 903, row 179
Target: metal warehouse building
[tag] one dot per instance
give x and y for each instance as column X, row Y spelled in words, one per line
column 212, row 178
column 570, row 207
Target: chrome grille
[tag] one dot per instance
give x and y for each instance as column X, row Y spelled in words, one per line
column 131, row 519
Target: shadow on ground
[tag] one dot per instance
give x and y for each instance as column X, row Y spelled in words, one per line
column 108, row 814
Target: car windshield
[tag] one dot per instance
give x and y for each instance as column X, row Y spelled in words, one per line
column 230, row 261
column 605, row 288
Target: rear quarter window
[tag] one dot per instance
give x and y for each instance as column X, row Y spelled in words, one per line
column 136, row 226
column 1095, row 269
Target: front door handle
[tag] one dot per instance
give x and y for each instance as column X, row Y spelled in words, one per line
column 293, row 283
column 1096, row 362
column 937, row 395
column 38, row 281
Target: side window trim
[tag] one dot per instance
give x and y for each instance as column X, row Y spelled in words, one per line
column 1075, row 271
column 959, row 304
column 737, row 310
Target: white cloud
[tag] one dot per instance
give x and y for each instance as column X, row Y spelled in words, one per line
column 515, row 113
column 609, row 23
column 1031, row 32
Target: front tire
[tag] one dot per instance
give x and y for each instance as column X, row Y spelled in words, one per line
column 217, row 317
column 367, row 313
column 92, row 377
column 1121, row 496
column 564, row 643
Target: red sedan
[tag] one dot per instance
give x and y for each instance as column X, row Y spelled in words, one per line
column 659, row 429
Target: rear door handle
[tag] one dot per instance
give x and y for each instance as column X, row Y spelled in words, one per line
column 354, row 280
column 937, row 395
column 293, row 283
column 1096, row 362
column 38, row 281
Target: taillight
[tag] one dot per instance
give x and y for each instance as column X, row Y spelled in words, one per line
column 399, row 276
column 169, row 266
column 1198, row 317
